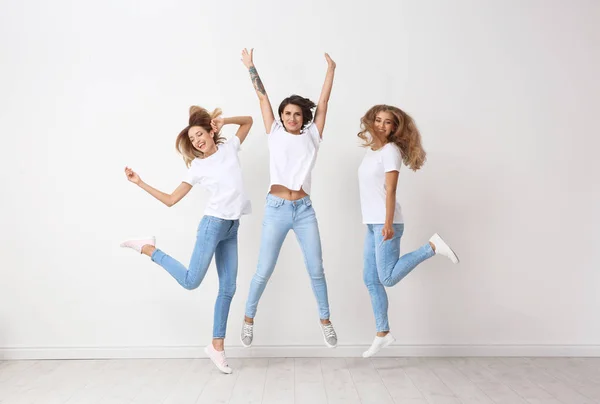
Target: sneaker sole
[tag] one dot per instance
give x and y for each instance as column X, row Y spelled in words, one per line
column 227, row 372
column 454, row 258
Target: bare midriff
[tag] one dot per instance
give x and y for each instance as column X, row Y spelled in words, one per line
column 286, row 193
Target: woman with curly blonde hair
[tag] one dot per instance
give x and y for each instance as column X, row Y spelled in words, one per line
column 213, row 163
column 391, row 138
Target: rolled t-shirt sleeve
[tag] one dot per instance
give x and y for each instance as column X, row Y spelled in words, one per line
column 391, row 158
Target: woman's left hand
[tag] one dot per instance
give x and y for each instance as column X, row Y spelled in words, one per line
column 330, row 63
column 217, row 123
column 387, row 232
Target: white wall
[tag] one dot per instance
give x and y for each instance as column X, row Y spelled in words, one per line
column 504, row 92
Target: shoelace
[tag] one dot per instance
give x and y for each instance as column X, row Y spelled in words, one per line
column 247, row 329
column 328, row 330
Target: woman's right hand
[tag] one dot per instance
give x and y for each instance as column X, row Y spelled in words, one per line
column 387, row 232
column 247, row 58
column 132, row 176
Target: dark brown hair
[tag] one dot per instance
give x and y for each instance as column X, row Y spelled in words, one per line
column 305, row 105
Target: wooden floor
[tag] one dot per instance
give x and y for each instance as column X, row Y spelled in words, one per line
column 312, row 381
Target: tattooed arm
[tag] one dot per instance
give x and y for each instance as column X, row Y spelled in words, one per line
column 265, row 104
column 321, row 112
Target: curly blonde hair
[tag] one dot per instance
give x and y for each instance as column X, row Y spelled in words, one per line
column 198, row 117
column 404, row 134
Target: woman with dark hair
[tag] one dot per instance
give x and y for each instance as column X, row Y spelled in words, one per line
column 391, row 138
column 214, row 164
column 293, row 141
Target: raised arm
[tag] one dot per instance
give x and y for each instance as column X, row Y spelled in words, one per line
column 245, row 123
column 265, row 104
column 168, row 199
column 321, row 112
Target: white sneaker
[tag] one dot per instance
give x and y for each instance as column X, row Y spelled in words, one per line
column 378, row 344
column 329, row 335
column 218, row 358
column 443, row 249
column 138, row 243
column 247, row 334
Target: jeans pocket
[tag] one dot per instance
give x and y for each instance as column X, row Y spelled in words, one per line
column 215, row 219
column 204, row 222
column 233, row 226
column 273, row 203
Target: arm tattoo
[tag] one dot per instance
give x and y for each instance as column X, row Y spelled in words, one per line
column 258, row 85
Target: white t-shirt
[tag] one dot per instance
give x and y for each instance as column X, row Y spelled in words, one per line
column 292, row 157
column 221, row 175
column 371, row 182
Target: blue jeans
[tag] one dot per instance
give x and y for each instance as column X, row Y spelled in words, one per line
column 383, row 266
column 216, row 237
column 280, row 217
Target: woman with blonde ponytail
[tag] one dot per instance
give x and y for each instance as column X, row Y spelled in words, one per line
column 213, row 163
column 391, row 138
